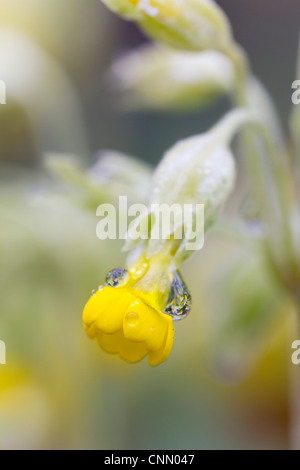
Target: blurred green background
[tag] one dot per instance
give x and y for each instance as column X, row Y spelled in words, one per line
column 225, row 384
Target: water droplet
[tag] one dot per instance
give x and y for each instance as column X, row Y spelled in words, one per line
column 139, row 269
column 116, row 277
column 132, row 318
column 180, row 300
column 94, row 292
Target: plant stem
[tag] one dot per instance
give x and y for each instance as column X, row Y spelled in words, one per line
column 253, row 160
column 275, row 201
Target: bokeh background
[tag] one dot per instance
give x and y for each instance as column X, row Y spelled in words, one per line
column 225, row 384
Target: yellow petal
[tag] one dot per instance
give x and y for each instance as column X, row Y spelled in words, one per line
column 162, row 355
column 145, row 324
column 117, row 344
column 112, row 309
column 105, row 310
column 91, row 330
column 132, row 352
column 111, row 343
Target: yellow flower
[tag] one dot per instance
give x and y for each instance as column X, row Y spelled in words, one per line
column 128, row 319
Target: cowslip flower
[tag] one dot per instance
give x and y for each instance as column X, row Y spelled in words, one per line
column 132, row 314
column 126, row 315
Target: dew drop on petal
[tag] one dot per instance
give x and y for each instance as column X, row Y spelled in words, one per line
column 94, row 292
column 116, row 277
column 180, row 300
column 132, row 318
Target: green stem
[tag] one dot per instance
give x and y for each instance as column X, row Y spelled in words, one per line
column 253, row 161
column 228, row 127
column 280, row 192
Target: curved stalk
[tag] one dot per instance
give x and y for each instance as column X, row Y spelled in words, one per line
column 279, row 174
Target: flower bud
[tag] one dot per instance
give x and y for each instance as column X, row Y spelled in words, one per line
column 184, row 24
column 155, row 77
column 113, row 174
column 197, row 171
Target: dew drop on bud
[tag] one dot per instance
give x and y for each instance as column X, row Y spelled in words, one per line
column 180, row 300
column 116, row 277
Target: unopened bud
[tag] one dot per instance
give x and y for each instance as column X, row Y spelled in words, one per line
column 155, row 77
column 198, row 171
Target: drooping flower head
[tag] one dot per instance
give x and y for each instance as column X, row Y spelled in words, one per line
column 132, row 315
